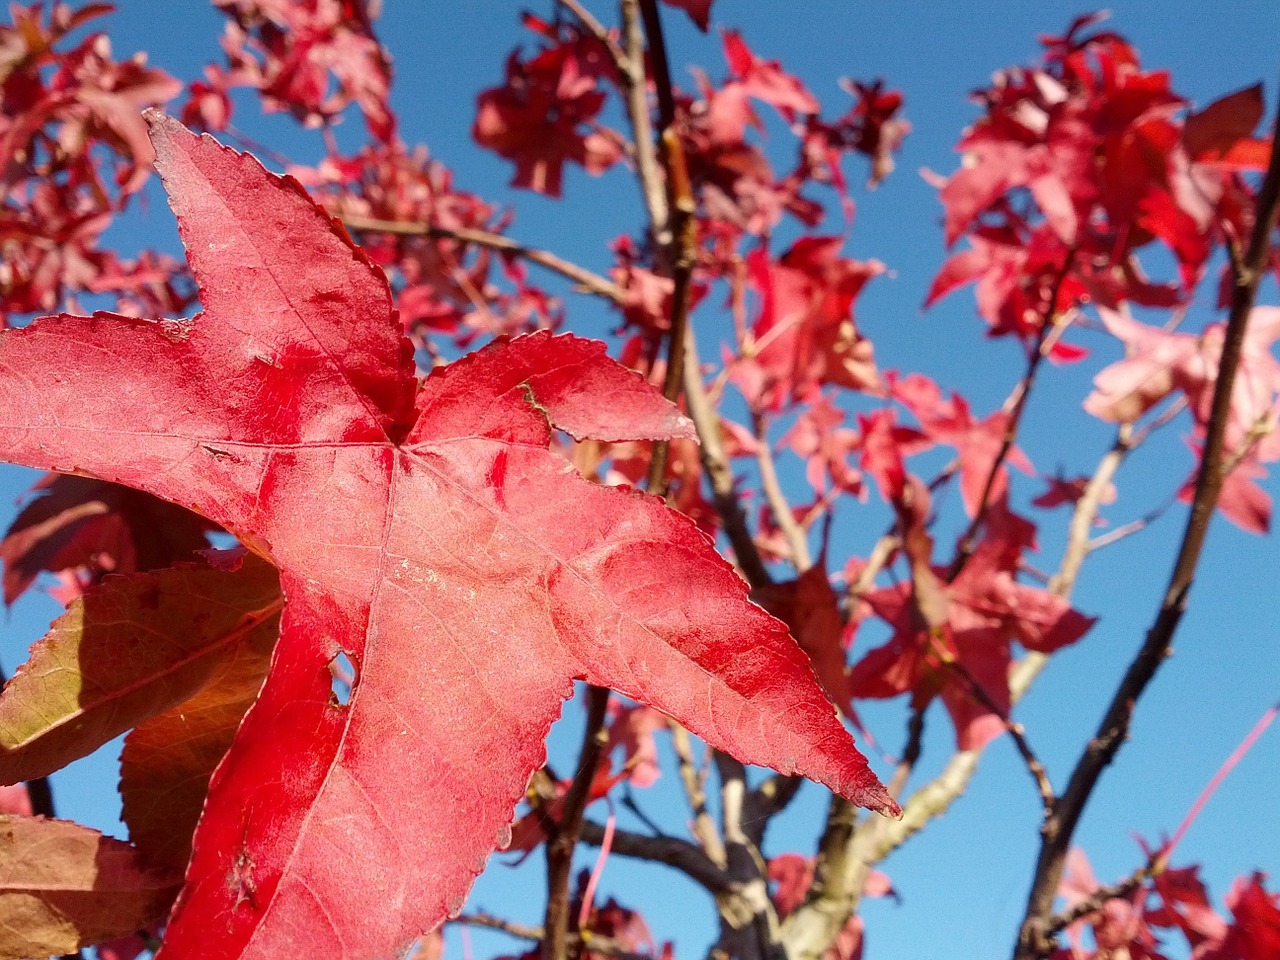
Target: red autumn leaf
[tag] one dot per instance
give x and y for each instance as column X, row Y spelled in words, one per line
column 1157, row 362
column 766, row 80
column 972, row 621
column 977, row 442
column 544, row 115
column 810, row 607
column 79, row 522
column 1255, row 934
column 15, row 800
column 421, row 529
column 631, row 728
column 64, row 886
column 699, row 11
column 806, row 335
column 1241, row 500
column 1186, row 906
column 127, row 650
column 1062, row 490
column 1222, row 133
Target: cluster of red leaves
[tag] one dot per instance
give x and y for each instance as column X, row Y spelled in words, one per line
column 1160, row 363
column 312, row 58
column 444, row 284
column 952, row 632
column 545, row 113
column 1127, row 926
column 737, row 189
column 1075, row 166
column 73, row 149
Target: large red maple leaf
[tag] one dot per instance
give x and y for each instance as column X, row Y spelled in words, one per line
column 424, row 530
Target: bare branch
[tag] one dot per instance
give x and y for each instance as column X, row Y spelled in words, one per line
column 1096, row 900
column 587, row 281
column 599, row 31
column 781, row 509
column 704, row 828
column 562, row 840
column 1016, row 732
column 602, row 945
column 672, row 851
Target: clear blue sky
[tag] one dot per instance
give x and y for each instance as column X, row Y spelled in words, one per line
column 963, row 882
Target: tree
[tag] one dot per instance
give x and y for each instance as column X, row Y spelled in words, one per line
column 437, row 577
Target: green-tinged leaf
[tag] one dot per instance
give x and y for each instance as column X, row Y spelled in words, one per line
column 64, row 886
column 167, row 761
column 126, row 651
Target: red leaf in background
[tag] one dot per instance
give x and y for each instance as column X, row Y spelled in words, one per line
column 1157, row 362
column 1241, row 500
column 69, row 116
column 1119, row 928
column 631, row 728
column 699, row 11
column 15, row 800
column 1185, row 904
column 766, row 80
column 1063, row 491
column 806, row 335
column 972, row 620
column 424, row 532
column 527, row 833
column 310, row 59
column 1255, row 934
column 1222, row 133
column 825, row 446
column 82, row 523
column 544, row 115
column 977, row 443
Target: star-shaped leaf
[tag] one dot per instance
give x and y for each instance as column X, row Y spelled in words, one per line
column 424, row 531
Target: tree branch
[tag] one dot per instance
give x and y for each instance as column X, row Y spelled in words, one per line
column 1033, row 937
column 704, row 828
column 778, row 505
column 606, row 946
column 812, row 928
column 587, row 281
column 564, row 838
column 671, row 851
column 599, row 31
column 1049, row 323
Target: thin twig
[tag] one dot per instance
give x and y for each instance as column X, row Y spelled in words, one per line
column 682, row 855
column 1050, row 322
column 704, row 827
column 587, row 281
column 679, row 233
column 778, row 504
column 599, row 31
column 648, row 172
column 1017, row 733
column 561, row 842
column 606, row 946
column 1033, row 939
column 1096, row 900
